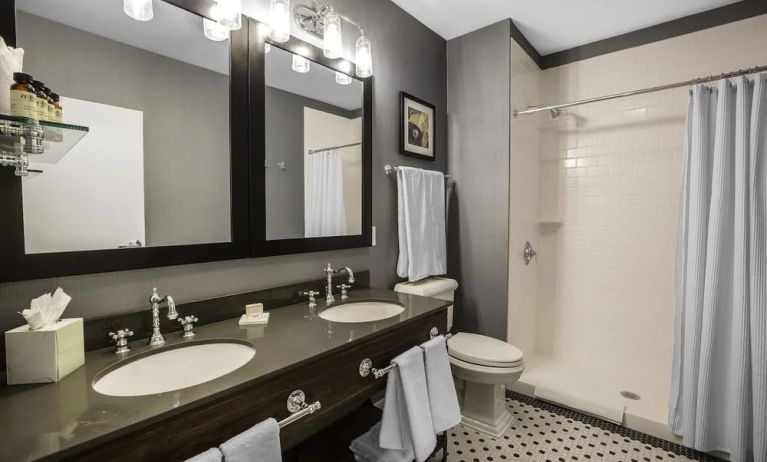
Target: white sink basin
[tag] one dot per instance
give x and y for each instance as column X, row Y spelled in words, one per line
column 362, row 312
column 174, row 368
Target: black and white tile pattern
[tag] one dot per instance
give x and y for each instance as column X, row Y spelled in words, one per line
column 548, row 433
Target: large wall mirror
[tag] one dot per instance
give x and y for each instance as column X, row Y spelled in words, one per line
column 314, row 170
column 161, row 176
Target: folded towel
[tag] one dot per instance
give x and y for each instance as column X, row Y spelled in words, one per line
column 421, row 220
column 366, row 447
column 260, row 443
column 443, row 400
column 406, row 420
column 211, row 455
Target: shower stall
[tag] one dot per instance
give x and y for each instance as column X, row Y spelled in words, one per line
column 595, row 190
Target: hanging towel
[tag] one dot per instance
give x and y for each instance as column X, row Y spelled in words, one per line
column 260, row 443
column 443, row 400
column 421, row 219
column 406, row 423
column 367, row 448
column 211, row 455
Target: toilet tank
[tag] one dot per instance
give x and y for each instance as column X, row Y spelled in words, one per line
column 436, row 287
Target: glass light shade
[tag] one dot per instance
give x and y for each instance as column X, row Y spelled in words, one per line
column 267, row 47
column 230, row 14
column 331, row 37
column 279, row 20
column 363, row 57
column 140, row 10
column 214, row 31
column 343, row 79
column 300, row 64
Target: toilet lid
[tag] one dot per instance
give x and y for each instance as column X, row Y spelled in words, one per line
column 483, row 351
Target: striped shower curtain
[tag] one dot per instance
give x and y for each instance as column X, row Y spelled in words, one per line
column 719, row 377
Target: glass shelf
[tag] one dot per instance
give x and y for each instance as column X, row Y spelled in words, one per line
column 58, row 138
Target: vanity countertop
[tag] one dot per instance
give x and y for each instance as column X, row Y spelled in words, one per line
column 37, row 421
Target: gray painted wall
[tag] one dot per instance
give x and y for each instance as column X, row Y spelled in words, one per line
column 184, row 119
column 406, row 56
column 478, row 73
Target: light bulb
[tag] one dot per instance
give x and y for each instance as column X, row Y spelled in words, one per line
column 343, row 79
column 214, row 31
column 140, row 10
column 230, row 14
column 363, row 57
column 300, row 64
column 279, row 20
column 331, row 37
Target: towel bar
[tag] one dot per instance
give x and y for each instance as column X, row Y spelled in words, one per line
column 366, row 366
column 389, row 170
column 299, row 407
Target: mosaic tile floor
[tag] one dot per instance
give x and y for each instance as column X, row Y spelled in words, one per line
column 545, row 432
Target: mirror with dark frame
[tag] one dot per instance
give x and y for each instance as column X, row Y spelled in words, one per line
column 160, row 177
column 312, row 188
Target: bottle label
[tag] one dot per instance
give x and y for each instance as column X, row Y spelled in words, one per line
column 42, row 109
column 23, row 104
column 59, row 116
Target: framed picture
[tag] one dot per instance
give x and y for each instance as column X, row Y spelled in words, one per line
column 416, row 127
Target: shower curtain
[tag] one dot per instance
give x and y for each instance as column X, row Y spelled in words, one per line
column 719, row 374
column 324, row 213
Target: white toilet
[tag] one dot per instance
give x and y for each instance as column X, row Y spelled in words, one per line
column 482, row 366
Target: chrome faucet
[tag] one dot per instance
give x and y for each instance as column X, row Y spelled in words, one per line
column 329, row 271
column 155, row 300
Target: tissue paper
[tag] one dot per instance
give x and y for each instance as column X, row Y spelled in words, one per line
column 46, row 309
column 11, row 60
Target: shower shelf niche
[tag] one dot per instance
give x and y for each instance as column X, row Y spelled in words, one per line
column 550, row 221
column 46, row 142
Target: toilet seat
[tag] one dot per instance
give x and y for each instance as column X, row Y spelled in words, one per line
column 485, row 351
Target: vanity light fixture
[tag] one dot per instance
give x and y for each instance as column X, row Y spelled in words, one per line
column 279, row 20
column 140, row 10
column 300, row 64
column 332, row 42
column 214, row 30
column 267, row 47
column 341, row 78
column 363, row 57
column 230, row 13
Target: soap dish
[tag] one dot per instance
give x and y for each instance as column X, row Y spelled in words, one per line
column 246, row 321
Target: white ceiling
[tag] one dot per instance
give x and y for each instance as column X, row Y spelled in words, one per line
column 553, row 25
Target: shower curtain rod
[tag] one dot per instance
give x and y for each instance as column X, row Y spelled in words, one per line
column 555, row 108
column 312, row 151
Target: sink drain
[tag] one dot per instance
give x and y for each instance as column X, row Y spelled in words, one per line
column 630, row 395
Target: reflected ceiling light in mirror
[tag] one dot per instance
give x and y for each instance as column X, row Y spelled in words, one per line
column 279, row 20
column 341, row 78
column 230, row 14
column 267, row 47
column 331, row 37
column 300, row 64
column 363, row 57
column 214, row 31
column 140, row 10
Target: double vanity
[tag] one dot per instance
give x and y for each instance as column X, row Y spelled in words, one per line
column 174, row 401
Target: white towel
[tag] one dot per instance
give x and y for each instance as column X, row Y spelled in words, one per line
column 443, row 400
column 406, row 420
column 211, row 455
column 421, row 219
column 367, row 448
column 261, row 443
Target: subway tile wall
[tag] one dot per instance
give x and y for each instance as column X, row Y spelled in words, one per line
column 611, row 172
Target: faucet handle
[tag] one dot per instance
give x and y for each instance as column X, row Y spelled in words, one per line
column 188, row 324
column 344, row 288
column 311, row 294
column 120, row 338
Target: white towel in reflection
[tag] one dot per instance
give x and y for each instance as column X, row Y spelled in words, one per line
column 443, row 400
column 421, row 219
column 260, row 443
column 324, row 212
column 407, row 423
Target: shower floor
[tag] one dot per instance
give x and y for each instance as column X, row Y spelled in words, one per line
column 592, row 388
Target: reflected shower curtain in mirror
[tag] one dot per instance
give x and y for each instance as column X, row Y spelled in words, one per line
column 718, row 395
column 324, row 213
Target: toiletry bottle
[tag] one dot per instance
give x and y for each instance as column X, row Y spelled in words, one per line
column 50, row 116
column 23, row 97
column 59, row 110
column 42, row 100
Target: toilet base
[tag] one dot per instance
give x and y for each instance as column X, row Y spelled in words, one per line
column 484, row 409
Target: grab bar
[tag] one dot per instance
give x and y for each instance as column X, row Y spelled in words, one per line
column 299, row 408
column 366, row 366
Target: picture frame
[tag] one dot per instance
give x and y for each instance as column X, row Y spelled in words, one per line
column 417, row 125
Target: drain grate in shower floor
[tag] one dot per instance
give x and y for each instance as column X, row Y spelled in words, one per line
column 630, row 395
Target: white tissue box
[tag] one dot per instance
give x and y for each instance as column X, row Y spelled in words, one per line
column 44, row 355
